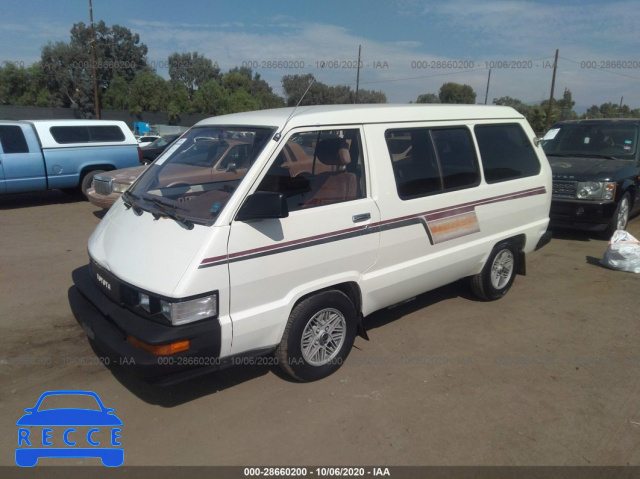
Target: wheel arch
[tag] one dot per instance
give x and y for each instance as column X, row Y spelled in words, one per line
column 351, row 290
column 520, row 241
column 628, row 187
column 102, row 166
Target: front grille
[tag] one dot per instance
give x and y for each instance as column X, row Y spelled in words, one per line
column 102, row 186
column 564, row 189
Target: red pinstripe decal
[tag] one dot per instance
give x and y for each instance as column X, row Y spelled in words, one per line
column 429, row 216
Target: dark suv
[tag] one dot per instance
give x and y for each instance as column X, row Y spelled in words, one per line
column 596, row 172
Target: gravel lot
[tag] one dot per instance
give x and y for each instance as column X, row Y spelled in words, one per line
column 549, row 375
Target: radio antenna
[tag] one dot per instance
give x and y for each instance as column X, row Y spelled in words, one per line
column 277, row 136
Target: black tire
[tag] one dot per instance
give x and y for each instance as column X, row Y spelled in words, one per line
column 620, row 218
column 305, row 325
column 496, row 278
column 87, row 180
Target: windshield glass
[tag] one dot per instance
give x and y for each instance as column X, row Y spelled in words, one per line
column 165, row 140
column 193, row 180
column 615, row 139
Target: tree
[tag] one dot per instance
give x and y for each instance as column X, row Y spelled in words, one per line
column 611, row 110
column 116, row 96
column 234, row 81
column 67, row 67
column 35, row 92
column 149, row 92
column 514, row 103
column 119, row 51
column 565, row 105
column 428, row 98
column 179, row 103
column 241, row 100
column 370, row 96
column 537, row 118
column 263, row 93
column 294, row 87
column 320, row 94
column 192, row 70
column 211, row 99
column 67, row 80
column 22, row 86
column 451, row 92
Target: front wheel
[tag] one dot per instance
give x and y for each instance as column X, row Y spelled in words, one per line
column 620, row 217
column 318, row 336
column 496, row 278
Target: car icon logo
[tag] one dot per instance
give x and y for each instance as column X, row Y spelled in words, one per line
column 62, row 432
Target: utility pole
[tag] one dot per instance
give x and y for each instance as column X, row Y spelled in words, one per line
column 620, row 107
column 553, row 84
column 358, row 74
column 93, row 62
column 486, row 95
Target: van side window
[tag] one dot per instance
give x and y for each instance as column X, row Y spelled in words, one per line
column 318, row 168
column 432, row 160
column 12, row 139
column 86, row 134
column 506, row 153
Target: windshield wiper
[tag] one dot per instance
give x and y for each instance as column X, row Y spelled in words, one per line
column 584, row 155
column 129, row 202
column 169, row 211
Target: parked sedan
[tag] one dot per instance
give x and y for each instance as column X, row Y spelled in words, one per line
column 146, row 140
column 596, row 171
column 206, row 157
column 153, row 150
column 107, row 187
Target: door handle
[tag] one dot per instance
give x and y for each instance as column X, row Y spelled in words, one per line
column 361, row 217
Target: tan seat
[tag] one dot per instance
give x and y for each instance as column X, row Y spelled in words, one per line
column 334, row 186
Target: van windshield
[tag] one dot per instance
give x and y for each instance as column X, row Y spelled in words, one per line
column 193, row 180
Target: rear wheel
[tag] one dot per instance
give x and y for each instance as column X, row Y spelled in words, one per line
column 496, row 278
column 87, row 180
column 318, row 336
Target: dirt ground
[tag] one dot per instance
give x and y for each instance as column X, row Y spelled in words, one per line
column 548, row 375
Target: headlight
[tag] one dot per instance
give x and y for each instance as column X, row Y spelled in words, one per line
column 189, row 311
column 120, row 187
column 144, row 301
column 595, row 190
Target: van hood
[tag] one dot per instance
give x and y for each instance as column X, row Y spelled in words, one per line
column 147, row 253
column 579, row 168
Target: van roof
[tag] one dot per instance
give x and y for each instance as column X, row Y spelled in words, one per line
column 74, row 122
column 359, row 114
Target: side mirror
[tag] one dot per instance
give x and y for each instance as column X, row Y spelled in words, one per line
column 231, row 167
column 263, row 205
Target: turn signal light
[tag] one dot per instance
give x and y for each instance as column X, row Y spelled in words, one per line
column 161, row 349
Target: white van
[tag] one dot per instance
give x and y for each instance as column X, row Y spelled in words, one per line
column 322, row 216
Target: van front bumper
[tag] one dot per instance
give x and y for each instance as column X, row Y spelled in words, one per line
column 108, row 324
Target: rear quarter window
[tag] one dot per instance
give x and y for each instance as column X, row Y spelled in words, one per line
column 429, row 161
column 87, row 134
column 506, row 152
